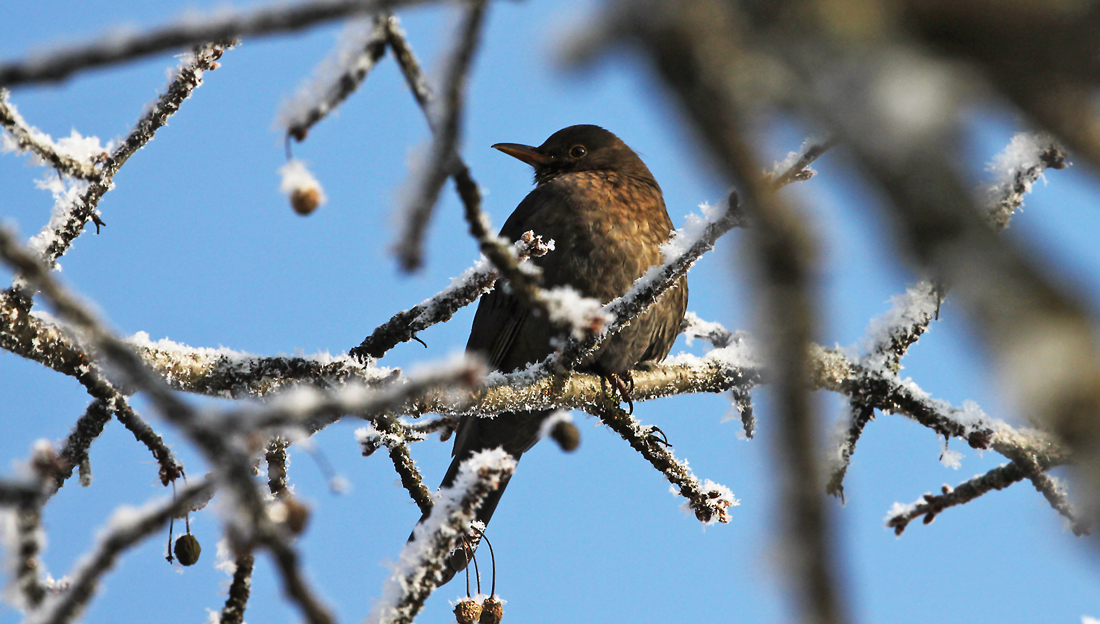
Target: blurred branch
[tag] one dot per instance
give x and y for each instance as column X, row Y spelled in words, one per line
column 697, row 50
column 336, row 78
column 443, row 160
column 122, row 534
column 190, row 30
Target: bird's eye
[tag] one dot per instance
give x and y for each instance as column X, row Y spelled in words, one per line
column 577, row 151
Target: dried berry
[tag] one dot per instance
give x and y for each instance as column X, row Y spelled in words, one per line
column 187, row 550
column 566, row 435
column 305, row 200
column 297, row 515
column 467, row 611
column 492, row 611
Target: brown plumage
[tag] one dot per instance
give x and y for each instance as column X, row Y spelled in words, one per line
column 600, row 204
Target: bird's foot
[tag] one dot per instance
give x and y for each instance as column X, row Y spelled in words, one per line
column 651, row 437
column 623, row 385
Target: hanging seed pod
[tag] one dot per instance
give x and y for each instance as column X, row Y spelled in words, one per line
column 492, row 611
column 467, row 611
column 566, row 435
column 187, row 549
column 297, row 515
column 305, row 200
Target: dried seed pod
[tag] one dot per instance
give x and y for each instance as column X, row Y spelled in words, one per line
column 305, row 200
column 566, row 435
column 492, row 611
column 187, row 550
column 297, row 515
column 467, row 611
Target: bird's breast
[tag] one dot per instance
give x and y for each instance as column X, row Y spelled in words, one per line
column 607, row 230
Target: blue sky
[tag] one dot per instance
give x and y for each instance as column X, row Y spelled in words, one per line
column 201, row 248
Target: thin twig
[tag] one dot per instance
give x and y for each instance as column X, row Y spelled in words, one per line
column 239, row 591
column 29, row 139
column 710, row 501
column 121, row 536
column 463, row 291
column 316, row 100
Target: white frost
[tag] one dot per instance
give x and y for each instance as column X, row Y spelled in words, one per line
column 296, row 178
column 551, row 421
column 348, row 57
column 583, row 315
column 951, row 459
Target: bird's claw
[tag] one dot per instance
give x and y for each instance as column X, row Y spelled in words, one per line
column 623, row 385
column 651, row 437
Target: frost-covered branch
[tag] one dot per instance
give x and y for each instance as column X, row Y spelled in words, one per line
column 232, row 465
column 189, row 30
column 234, row 374
column 795, row 167
column 29, row 336
column 311, row 409
column 889, row 337
column 337, row 77
column 1054, row 491
column 419, row 567
column 464, row 290
column 395, row 436
column 1017, row 169
column 127, row 528
column 70, row 217
column 410, row 66
column 443, row 160
column 75, row 156
column 710, row 501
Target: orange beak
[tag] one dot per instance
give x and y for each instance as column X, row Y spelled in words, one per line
column 526, row 153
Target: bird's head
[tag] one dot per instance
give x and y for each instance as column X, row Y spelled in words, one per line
column 579, row 148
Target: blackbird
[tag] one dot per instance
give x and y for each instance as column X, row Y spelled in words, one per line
column 600, row 204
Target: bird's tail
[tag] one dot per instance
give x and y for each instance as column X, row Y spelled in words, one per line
column 458, row 559
column 516, row 433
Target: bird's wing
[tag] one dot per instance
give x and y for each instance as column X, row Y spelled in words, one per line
column 500, row 318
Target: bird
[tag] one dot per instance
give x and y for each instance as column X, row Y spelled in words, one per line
column 606, row 213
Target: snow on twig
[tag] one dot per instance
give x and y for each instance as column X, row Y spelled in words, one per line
column 74, row 156
column 361, row 46
column 418, row 569
column 1016, row 170
column 710, row 501
column 888, row 338
column 71, row 216
column 681, row 252
column 463, row 290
